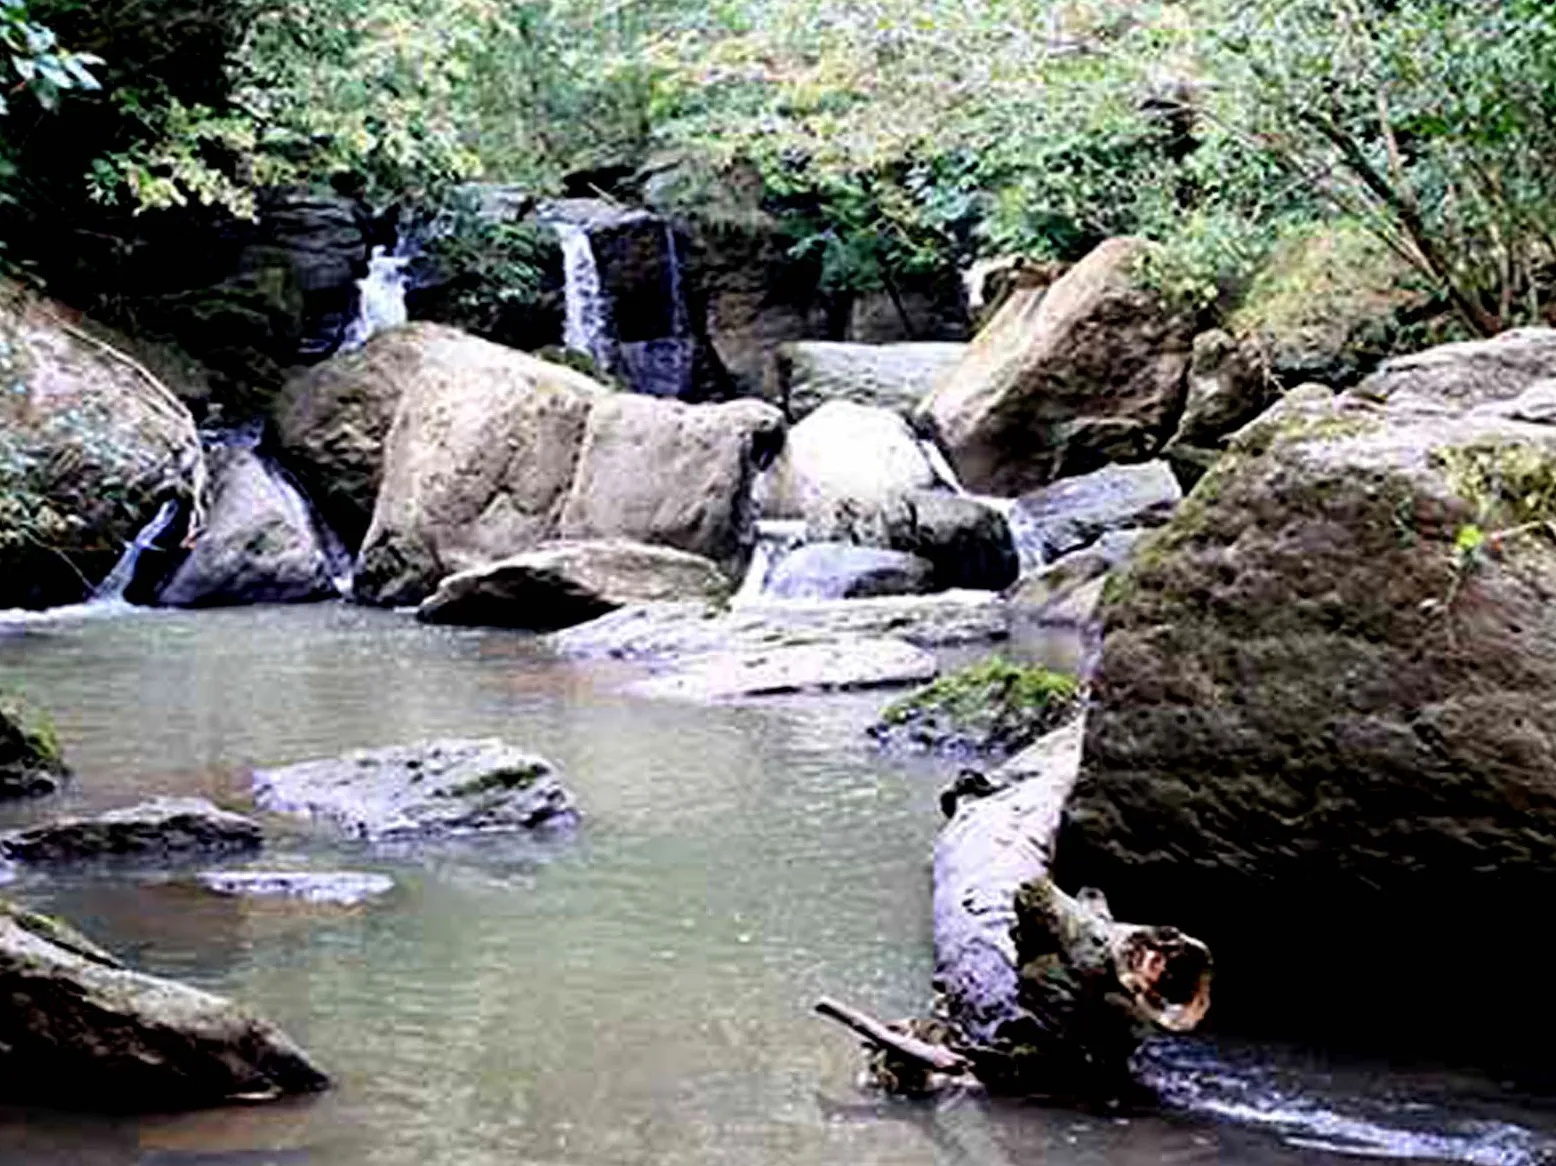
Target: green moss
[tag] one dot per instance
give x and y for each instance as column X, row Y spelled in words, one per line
column 27, row 737
column 513, row 777
column 991, row 706
column 1507, row 484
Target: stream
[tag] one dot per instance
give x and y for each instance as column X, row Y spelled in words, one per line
column 637, row 994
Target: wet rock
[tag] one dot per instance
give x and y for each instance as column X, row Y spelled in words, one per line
column 669, row 631
column 81, row 1031
column 1048, row 589
column 968, row 542
column 477, row 464
column 845, row 470
column 162, row 828
column 848, row 663
column 259, row 544
column 90, row 448
column 992, row 707
column 673, row 474
column 845, row 571
column 1074, row 513
column 1325, row 700
column 332, row 421
column 30, row 760
column 340, row 888
column 805, row 375
column 429, row 790
column 561, row 584
column 1063, row 381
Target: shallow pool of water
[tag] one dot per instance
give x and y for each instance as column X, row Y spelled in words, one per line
column 639, row 993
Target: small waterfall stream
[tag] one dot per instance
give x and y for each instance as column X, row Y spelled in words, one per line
column 380, row 298
column 111, row 590
column 587, row 327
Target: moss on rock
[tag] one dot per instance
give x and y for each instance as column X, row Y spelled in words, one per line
column 994, row 706
column 31, row 762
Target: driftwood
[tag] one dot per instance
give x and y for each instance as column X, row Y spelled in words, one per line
column 906, row 1063
column 1040, row 992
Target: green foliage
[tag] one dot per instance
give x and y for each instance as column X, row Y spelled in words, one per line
column 501, row 271
column 34, row 56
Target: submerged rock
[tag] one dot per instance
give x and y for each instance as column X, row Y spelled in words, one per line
column 846, row 571
column 259, row 544
column 90, row 448
column 561, row 584
column 1326, row 704
column 429, row 790
column 849, row 663
column 30, row 760
column 162, row 828
column 667, row 631
column 1064, row 380
column 342, row 888
column 1074, row 513
column 991, row 707
column 81, row 1031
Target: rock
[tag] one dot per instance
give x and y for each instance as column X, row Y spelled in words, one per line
column 1063, row 381
column 430, row 790
column 1454, row 377
column 259, row 544
column 848, row 663
column 90, row 448
column 845, row 571
column 80, row 1031
column 1227, row 388
column 993, row 706
column 1051, row 592
column 332, row 421
column 1536, row 404
column 845, row 470
column 566, row 583
column 30, row 760
column 1326, row 704
column 159, row 829
column 477, row 465
column 322, row 243
column 339, row 888
column 805, row 375
column 1076, row 512
column 925, row 306
column 673, row 474
column 968, row 542
column 667, row 631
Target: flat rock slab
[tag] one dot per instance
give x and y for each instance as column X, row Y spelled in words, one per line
column 81, row 1031
column 160, row 828
column 1076, row 512
column 337, row 888
column 669, row 631
column 428, row 790
column 843, row 664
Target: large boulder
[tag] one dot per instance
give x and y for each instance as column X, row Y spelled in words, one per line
column 91, row 446
column 806, row 374
column 967, row 541
column 434, row 789
column 30, row 761
column 845, row 470
column 846, row 571
column 1454, row 377
column 1074, row 513
column 679, row 475
column 1062, row 381
column 81, row 1031
column 160, row 829
column 1323, row 725
column 332, row 420
column 561, row 584
column 260, row 543
column 477, row 464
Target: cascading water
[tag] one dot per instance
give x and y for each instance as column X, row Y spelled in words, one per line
column 380, row 298
column 111, row 590
column 586, row 328
column 774, row 539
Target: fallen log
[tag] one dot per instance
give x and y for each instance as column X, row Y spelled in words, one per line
column 904, row 1063
column 1045, row 993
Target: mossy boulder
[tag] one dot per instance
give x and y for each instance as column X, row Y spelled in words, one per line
column 993, row 707
column 1326, row 705
column 31, row 763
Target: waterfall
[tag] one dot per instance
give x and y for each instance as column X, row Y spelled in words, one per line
column 380, row 299
column 941, row 467
column 587, row 327
column 775, row 538
column 112, row 589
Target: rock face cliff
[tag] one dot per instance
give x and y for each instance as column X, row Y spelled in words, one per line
column 1326, row 704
